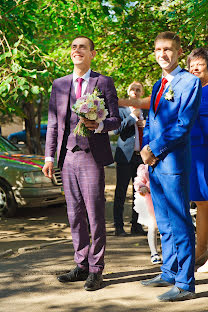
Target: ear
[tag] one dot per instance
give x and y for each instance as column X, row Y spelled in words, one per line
column 180, row 51
column 93, row 53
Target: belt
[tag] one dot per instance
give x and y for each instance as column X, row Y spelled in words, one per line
column 77, row 149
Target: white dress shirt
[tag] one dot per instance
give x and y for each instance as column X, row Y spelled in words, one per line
column 85, row 81
column 171, row 76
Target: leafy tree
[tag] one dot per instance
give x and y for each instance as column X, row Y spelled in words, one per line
column 35, row 40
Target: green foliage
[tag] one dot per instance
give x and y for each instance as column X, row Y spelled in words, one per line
column 35, row 40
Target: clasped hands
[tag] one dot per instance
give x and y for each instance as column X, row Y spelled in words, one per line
column 148, row 157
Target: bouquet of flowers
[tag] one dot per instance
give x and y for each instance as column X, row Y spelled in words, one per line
column 92, row 107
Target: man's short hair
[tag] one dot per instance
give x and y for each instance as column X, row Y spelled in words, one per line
column 92, row 46
column 170, row 36
column 198, row 53
column 135, row 83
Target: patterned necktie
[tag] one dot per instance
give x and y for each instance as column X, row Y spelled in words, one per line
column 164, row 81
column 79, row 88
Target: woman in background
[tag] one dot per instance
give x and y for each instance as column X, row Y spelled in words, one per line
column 198, row 65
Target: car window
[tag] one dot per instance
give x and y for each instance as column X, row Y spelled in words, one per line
column 6, row 146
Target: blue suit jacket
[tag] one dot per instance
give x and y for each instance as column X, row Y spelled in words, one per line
column 167, row 130
column 126, row 140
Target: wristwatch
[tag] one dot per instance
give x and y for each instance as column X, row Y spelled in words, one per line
column 149, row 149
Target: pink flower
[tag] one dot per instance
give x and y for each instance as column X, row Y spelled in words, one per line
column 100, row 114
column 96, row 102
column 84, row 109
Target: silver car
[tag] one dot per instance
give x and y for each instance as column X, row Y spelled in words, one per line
column 22, row 183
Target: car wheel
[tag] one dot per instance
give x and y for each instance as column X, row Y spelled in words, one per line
column 8, row 204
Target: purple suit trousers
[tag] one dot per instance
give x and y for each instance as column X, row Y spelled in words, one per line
column 83, row 181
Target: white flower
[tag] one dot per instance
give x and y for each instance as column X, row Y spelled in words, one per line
column 91, row 115
column 170, row 94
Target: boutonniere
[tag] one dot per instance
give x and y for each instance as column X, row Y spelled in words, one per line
column 170, row 94
column 97, row 91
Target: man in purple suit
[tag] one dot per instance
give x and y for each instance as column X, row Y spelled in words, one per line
column 82, row 160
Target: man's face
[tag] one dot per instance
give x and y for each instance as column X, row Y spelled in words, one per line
column 136, row 91
column 81, row 53
column 166, row 54
column 198, row 67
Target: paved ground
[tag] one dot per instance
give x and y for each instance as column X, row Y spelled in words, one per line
column 29, row 276
column 29, row 281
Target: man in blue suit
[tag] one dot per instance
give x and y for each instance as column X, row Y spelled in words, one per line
column 174, row 104
column 127, row 158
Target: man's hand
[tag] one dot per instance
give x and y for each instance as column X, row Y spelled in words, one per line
column 148, row 157
column 48, row 169
column 143, row 190
column 137, row 112
column 90, row 124
column 141, row 123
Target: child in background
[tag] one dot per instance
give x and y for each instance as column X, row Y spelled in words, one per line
column 144, row 207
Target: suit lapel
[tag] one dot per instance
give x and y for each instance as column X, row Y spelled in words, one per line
column 173, row 83
column 177, row 78
column 92, row 83
column 154, row 92
column 65, row 94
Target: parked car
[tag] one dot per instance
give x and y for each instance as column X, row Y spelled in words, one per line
column 22, row 183
column 20, row 136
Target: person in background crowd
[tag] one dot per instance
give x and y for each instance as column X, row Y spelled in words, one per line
column 198, row 65
column 144, row 207
column 127, row 158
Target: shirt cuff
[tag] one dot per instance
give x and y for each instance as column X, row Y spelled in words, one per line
column 134, row 116
column 49, row 159
column 100, row 128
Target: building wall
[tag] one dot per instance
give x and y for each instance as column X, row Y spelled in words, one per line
column 15, row 126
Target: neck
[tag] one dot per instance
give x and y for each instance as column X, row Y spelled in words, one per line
column 204, row 82
column 169, row 70
column 80, row 71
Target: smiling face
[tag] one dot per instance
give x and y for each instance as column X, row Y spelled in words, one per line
column 167, row 54
column 198, row 67
column 81, row 53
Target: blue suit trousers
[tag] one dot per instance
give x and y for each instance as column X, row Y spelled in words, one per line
column 170, row 195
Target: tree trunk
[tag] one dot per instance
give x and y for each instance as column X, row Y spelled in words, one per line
column 32, row 135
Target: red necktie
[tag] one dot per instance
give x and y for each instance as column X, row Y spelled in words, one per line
column 79, row 88
column 164, row 81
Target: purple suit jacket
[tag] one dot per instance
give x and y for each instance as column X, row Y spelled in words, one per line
column 99, row 143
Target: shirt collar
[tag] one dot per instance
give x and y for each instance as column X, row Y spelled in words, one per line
column 86, row 76
column 172, row 75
